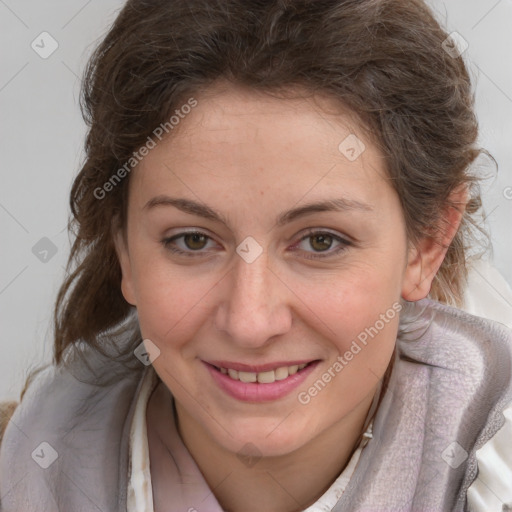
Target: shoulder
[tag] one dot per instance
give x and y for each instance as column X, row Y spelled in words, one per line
column 81, row 414
column 492, row 488
column 488, row 295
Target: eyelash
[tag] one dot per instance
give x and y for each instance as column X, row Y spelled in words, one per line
column 345, row 244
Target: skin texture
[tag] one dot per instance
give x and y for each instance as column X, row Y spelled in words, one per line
column 251, row 157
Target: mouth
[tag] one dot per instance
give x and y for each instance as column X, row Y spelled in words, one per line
column 277, row 372
column 263, row 383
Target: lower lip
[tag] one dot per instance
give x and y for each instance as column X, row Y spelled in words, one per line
column 257, row 392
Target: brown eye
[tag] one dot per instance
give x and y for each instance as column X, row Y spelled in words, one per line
column 319, row 245
column 195, row 241
column 189, row 243
column 321, row 242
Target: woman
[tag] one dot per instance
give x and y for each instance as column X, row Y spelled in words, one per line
column 272, row 227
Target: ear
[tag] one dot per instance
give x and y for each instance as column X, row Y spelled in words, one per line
column 426, row 257
column 127, row 288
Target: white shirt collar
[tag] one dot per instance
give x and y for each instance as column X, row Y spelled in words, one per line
column 140, row 494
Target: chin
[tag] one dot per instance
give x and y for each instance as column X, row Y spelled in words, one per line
column 269, row 438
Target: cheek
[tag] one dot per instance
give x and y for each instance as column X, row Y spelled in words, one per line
column 358, row 315
column 365, row 334
column 171, row 302
column 363, row 327
column 353, row 298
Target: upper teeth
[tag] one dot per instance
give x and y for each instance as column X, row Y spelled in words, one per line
column 263, row 377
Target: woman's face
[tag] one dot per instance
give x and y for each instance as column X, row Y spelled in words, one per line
column 267, row 283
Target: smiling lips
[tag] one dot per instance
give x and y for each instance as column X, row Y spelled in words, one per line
column 281, row 373
column 259, row 383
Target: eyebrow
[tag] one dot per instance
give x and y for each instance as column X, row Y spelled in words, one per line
column 201, row 210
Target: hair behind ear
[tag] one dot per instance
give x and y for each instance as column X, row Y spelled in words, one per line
column 470, row 243
column 6, row 411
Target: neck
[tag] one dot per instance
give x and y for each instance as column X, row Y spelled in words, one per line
column 285, row 483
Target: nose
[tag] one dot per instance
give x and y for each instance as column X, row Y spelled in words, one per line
column 254, row 308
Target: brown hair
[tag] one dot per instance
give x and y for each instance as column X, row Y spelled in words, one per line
column 382, row 59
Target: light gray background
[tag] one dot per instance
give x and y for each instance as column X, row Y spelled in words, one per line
column 42, row 137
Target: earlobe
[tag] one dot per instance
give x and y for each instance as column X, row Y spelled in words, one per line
column 425, row 257
column 123, row 257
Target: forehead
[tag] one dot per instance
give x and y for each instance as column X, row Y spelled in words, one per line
column 237, row 141
column 294, row 124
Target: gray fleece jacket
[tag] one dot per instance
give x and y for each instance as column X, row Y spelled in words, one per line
column 66, row 445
